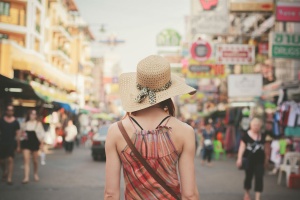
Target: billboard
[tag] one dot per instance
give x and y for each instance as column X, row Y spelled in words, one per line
column 251, row 5
column 288, row 11
column 245, row 85
column 285, row 45
column 235, row 54
column 209, row 17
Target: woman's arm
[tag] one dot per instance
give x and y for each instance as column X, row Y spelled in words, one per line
column 113, row 165
column 240, row 153
column 187, row 167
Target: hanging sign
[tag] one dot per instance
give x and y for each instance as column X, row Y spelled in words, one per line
column 245, row 85
column 201, row 50
column 235, row 54
column 285, row 45
column 208, row 17
column 205, row 70
column 288, row 11
column 251, row 5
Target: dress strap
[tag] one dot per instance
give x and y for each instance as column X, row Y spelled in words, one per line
column 162, row 121
column 135, row 122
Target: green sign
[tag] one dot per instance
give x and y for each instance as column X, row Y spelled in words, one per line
column 285, row 45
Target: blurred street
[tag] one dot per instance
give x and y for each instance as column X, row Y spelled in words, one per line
column 77, row 176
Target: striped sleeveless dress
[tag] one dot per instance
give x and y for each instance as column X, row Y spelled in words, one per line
column 160, row 152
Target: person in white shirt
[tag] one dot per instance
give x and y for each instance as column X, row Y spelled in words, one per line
column 32, row 138
column 71, row 133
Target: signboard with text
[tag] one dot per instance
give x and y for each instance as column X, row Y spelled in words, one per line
column 285, row 45
column 209, row 17
column 251, row 5
column 201, row 50
column 245, row 85
column 235, row 54
column 288, row 11
column 205, row 70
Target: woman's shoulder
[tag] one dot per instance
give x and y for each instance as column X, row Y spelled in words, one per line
column 179, row 126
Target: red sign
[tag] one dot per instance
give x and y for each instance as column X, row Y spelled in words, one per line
column 201, row 50
column 288, row 12
column 235, row 54
column 263, row 48
column 209, row 4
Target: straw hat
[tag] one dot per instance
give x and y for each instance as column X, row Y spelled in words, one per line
column 152, row 83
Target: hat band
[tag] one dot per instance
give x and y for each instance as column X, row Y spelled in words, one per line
column 145, row 91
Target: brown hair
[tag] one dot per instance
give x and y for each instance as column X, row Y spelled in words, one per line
column 169, row 104
column 166, row 103
column 28, row 115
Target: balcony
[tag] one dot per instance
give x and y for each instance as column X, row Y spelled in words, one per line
column 63, row 32
column 62, row 54
column 16, row 17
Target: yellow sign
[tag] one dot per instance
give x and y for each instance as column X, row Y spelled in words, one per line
column 252, row 5
column 207, row 69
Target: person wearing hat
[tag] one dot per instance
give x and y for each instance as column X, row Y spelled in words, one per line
column 150, row 133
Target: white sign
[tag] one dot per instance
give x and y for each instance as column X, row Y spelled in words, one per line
column 235, row 54
column 245, row 85
column 209, row 19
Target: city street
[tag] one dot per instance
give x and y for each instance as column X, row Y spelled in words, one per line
column 77, row 176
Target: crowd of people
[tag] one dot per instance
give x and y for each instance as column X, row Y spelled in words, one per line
column 27, row 139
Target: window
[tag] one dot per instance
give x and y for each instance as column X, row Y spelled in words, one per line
column 4, row 8
column 3, row 36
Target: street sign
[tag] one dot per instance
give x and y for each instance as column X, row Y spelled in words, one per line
column 251, row 5
column 208, row 17
column 201, row 50
column 198, row 69
column 235, row 54
column 245, row 85
column 288, row 11
column 285, row 45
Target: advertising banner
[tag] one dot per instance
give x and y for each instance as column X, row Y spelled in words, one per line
column 201, row 50
column 205, row 70
column 245, row 85
column 235, row 54
column 209, row 17
column 285, row 45
column 288, row 11
column 251, row 5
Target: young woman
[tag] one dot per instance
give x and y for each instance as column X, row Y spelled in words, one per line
column 32, row 140
column 158, row 136
column 208, row 135
column 252, row 150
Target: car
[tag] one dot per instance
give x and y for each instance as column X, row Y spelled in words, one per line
column 98, row 143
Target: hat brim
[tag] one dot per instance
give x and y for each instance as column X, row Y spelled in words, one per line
column 129, row 91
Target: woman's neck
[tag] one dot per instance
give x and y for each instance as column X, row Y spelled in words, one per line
column 152, row 111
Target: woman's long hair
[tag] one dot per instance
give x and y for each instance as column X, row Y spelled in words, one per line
column 168, row 103
column 28, row 115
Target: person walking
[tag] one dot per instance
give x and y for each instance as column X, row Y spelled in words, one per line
column 71, row 133
column 251, row 157
column 9, row 143
column 149, row 142
column 32, row 138
column 208, row 135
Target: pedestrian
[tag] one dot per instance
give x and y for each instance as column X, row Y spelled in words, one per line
column 251, row 157
column 208, row 135
column 192, row 123
column 71, row 133
column 32, row 139
column 9, row 143
column 150, row 158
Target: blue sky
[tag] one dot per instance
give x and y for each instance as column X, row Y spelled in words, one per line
column 136, row 21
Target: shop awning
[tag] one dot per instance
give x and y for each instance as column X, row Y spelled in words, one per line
column 17, row 89
column 66, row 106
